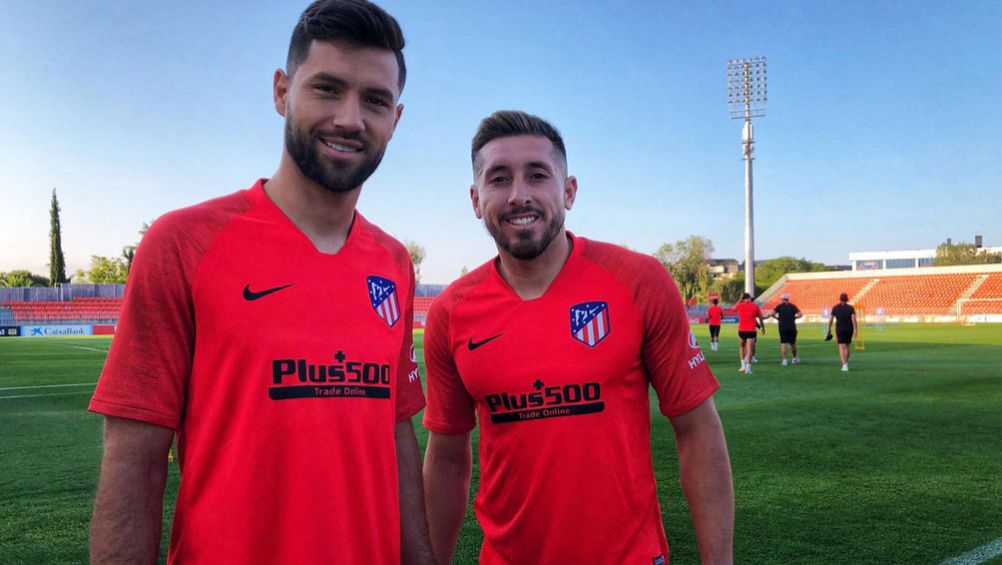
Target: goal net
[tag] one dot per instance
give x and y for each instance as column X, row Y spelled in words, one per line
column 972, row 311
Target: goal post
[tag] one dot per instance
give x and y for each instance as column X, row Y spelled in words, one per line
column 972, row 311
column 858, row 341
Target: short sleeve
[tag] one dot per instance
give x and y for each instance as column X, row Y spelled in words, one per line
column 451, row 409
column 410, row 399
column 148, row 366
column 676, row 367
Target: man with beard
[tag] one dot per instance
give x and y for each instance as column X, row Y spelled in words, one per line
column 271, row 330
column 553, row 344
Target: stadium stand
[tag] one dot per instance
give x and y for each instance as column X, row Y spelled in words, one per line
column 987, row 298
column 923, row 294
column 818, row 295
column 917, row 295
column 58, row 311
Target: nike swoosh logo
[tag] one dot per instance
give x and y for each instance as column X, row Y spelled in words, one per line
column 475, row 344
column 251, row 295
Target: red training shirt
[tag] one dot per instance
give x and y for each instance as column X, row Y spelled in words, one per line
column 284, row 371
column 748, row 313
column 560, row 386
column 714, row 315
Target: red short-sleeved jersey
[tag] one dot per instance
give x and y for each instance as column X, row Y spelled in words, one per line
column 561, row 387
column 748, row 313
column 714, row 315
column 284, row 371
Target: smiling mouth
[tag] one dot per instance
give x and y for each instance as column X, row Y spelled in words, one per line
column 343, row 148
column 521, row 219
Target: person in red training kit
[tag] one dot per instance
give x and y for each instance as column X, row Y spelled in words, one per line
column 749, row 320
column 714, row 316
column 553, row 346
column 271, row 329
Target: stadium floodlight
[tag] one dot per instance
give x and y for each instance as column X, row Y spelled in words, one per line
column 746, row 98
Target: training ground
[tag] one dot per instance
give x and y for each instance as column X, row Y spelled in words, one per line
column 897, row 461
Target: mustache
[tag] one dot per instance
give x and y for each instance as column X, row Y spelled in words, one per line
column 518, row 211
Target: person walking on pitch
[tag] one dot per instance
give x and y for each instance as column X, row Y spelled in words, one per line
column 714, row 315
column 787, row 313
column 749, row 320
column 844, row 317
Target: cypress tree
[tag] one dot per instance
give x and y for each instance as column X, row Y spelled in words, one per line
column 57, row 263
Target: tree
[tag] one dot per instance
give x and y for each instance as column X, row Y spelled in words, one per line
column 107, row 270
column 129, row 251
column 686, row 260
column 771, row 270
column 730, row 290
column 417, row 256
column 22, row 278
column 964, row 254
column 57, row 263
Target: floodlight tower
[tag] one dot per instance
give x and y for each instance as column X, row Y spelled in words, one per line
column 746, row 98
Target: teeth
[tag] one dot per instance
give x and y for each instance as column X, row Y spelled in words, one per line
column 340, row 147
column 521, row 221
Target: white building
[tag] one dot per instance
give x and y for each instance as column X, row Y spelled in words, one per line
column 909, row 259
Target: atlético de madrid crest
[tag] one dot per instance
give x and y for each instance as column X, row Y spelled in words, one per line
column 383, row 295
column 590, row 322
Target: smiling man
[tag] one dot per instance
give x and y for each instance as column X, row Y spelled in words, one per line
column 553, row 346
column 271, row 331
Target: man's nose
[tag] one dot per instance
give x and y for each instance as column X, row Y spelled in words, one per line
column 520, row 194
column 348, row 114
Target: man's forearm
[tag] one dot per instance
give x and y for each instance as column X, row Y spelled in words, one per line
column 447, row 469
column 128, row 509
column 414, row 545
column 705, row 472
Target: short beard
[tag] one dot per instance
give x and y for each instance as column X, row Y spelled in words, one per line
column 329, row 174
column 523, row 247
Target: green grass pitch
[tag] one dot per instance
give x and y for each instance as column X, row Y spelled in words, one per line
column 897, row 461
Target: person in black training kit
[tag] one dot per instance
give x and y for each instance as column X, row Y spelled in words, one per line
column 787, row 313
column 844, row 316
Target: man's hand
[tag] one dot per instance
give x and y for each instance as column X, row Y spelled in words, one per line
column 705, row 471
column 415, row 548
column 130, row 493
column 448, row 464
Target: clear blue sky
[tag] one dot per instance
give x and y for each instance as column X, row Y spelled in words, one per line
column 882, row 129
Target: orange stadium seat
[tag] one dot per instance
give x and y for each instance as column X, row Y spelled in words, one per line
column 917, row 295
column 990, row 289
column 814, row 296
column 76, row 310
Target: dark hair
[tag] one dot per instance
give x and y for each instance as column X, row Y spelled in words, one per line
column 843, row 297
column 356, row 21
column 746, row 296
column 715, row 301
column 509, row 123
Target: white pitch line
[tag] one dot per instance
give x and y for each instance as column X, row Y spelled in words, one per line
column 988, row 551
column 38, row 395
column 87, row 348
column 44, row 386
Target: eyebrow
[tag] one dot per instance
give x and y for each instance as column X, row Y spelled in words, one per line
column 380, row 91
column 540, row 165
column 495, row 169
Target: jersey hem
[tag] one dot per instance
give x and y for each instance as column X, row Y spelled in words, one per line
column 441, row 428
column 411, row 410
column 699, row 398
column 106, row 408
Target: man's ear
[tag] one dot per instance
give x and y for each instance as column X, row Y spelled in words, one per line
column 281, row 91
column 475, row 200
column 570, row 192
